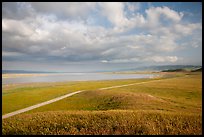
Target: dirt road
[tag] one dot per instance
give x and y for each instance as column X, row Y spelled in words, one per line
column 64, row 96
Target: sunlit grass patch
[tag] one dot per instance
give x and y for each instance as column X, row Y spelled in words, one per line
column 167, row 95
column 19, row 96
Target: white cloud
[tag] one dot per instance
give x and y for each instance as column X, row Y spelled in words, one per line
column 163, row 59
column 67, row 9
column 114, row 11
column 6, row 53
column 166, row 43
column 158, row 59
column 104, row 61
column 154, row 14
column 172, row 58
column 187, row 29
column 133, row 6
column 125, row 60
column 17, row 27
column 70, row 38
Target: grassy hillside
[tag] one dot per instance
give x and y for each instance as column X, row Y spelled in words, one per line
column 172, row 94
column 170, row 106
column 103, row 122
column 18, row 96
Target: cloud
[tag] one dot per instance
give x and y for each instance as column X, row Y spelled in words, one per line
column 172, row 58
column 17, row 10
column 104, row 61
column 60, row 32
column 154, row 15
column 114, row 11
column 133, row 6
column 16, row 27
column 64, row 9
column 187, row 29
column 163, row 58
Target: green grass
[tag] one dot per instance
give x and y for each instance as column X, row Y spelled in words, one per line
column 174, row 94
column 170, row 106
column 19, row 96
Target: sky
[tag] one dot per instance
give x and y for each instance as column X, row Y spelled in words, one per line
column 99, row 36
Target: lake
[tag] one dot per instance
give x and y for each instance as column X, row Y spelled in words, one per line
column 59, row 77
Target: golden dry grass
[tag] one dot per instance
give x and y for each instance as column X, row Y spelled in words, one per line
column 118, row 122
column 172, row 106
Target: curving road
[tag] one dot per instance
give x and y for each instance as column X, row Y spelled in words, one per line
column 67, row 95
column 39, row 105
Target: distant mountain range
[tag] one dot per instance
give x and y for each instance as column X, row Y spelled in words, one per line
column 198, row 70
column 164, row 67
column 184, row 70
column 145, row 68
column 25, row 71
